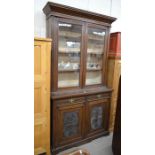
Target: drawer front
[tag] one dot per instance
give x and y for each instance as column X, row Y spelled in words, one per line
column 103, row 97
column 71, row 101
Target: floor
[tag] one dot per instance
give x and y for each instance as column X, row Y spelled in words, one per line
column 100, row 146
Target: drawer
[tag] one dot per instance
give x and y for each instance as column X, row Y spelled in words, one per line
column 98, row 97
column 71, row 100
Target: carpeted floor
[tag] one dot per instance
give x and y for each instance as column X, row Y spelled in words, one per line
column 100, row 146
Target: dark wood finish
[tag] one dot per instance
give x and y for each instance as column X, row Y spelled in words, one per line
column 104, row 56
column 98, row 103
column 79, row 114
column 63, row 10
column 116, row 144
column 75, row 22
column 80, row 92
column 83, row 106
column 74, row 108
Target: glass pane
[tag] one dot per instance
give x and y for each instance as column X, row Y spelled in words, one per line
column 69, row 54
column 96, row 117
column 95, row 51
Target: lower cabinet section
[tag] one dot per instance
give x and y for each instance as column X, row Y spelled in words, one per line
column 78, row 120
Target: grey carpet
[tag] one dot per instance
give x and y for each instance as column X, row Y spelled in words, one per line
column 100, row 146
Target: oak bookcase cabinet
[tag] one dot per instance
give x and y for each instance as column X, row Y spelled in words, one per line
column 80, row 99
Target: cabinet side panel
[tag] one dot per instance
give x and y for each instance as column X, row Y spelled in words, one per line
column 106, row 56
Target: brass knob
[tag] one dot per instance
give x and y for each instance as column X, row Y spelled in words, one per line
column 98, row 96
column 71, row 100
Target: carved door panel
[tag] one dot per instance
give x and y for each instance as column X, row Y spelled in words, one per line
column 97, row 118
column 70, row 123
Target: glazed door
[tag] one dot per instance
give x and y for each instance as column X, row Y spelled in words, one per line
column 97, row 118
column 95, row 53
column 69, row 53
column 70, row 123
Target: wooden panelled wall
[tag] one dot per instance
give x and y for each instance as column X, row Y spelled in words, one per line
column 42, row 54
column 114, row 72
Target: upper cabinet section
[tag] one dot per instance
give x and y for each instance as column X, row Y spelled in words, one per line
column 80, row 45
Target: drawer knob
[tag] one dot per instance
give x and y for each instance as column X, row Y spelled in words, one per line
column 98, row 96
column 71, row 100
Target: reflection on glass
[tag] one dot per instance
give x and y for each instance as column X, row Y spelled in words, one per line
column 96, row 117
column 69, row 54
column 70, row 123
column 95, row 51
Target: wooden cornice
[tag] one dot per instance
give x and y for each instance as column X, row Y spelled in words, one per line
column 52, row 8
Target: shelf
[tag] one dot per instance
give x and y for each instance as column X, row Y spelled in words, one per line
column 93, row 37
column 94, row 69
column 69, row 50
column 73, row 70
column 95, row 53
column 66, row 53
column 69, row 34
column 68, row 70
column 76, row 50
column 69, row 83
column 77, row 35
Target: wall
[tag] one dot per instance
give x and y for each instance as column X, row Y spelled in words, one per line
column 106, row 7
